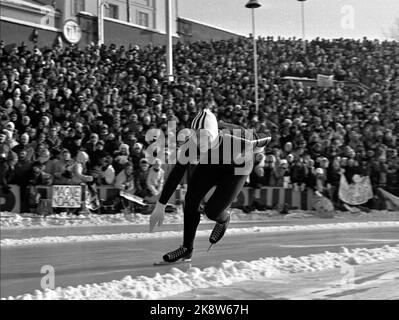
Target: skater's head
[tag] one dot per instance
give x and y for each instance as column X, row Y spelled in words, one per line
column 206, row 127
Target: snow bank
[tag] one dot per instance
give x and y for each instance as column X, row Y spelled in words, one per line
column 172, row 234
column 21, row 221
column 227, row 273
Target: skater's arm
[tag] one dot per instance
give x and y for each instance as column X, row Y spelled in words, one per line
column 261, row 139
column 250, row 140
column 175, row 175
column 172, row 182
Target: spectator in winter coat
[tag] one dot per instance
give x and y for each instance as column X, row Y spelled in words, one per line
column 62, row 168
column 333, row 181
column 320, row 179
column 24, row 145
column 137, row 154
column 98, row 153
column 270, row 171
column 141, row 179
column 76, row 146
column 111, row 143
column 282, row 174
column 90, row 146
column 121, row 158
column 45, row 159
column 38, row 176
column 79, row 169
column 257, row 177
column 103, row 173
column 23, row 168
column 8, row 160
column 125, row 179
column 155, row 178
column 5, row 173
column 298, row 175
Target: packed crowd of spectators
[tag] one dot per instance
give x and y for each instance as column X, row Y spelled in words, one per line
column 70, row 115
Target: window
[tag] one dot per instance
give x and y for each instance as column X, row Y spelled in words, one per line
column 113, row 11
column 143, row 19
column 77, row 6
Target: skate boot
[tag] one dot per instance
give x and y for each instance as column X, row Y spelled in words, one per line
column 218, row 232
column 181, row 254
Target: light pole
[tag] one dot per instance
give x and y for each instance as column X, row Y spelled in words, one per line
column 253, row 4
column 303, row 23
column 169, row 40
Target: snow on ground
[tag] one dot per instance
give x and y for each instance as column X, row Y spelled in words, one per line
column 172, row 234
column 374, row 281
column 20, row 221
column 227, row 273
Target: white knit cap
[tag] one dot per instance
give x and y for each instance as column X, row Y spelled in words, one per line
column 82, row 157
column 206, row 120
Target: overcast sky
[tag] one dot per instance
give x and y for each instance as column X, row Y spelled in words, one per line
column 324, row 18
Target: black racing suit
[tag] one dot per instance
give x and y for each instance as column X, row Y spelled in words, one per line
column 224, row 176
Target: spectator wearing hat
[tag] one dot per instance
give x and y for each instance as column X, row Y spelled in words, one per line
column 76, row 146
column 79, row 169
column 103, row 172
column 298, row 174
column 111, row 143
column 282, row 174
column 121, row 158
column 90, row 146
column 23, row 169
column 155, row 179
column 62, row 168
column 98, row 153
column 5, row 167
column 320, row 181
column 38, row 176
column 257, row 177
column 137, row 154
column 25, row 146
column 125, row 181
column 333, row 180
column 141, row 176
column 270, row 171
column 10, row 139
column 54, row 141
column 45, row 159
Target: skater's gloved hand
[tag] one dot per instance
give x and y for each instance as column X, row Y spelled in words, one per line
column 157, row 216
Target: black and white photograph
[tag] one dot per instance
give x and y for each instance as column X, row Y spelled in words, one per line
column 216, row 152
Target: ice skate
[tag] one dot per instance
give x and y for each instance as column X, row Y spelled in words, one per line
column 180, row 255
column 218, row 232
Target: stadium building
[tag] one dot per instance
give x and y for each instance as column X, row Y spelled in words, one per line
column 125, row 22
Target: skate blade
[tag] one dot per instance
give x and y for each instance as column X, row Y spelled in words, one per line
column 210, row 247
column 164, row 263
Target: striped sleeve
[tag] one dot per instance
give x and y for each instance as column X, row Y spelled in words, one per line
column 262, row 139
